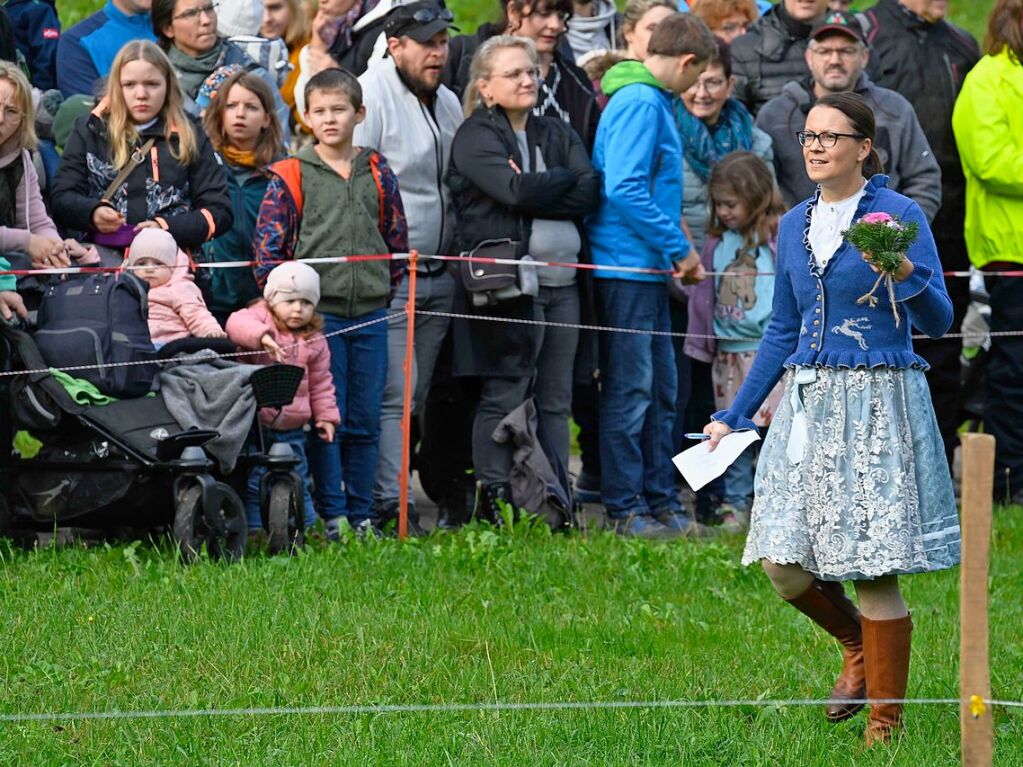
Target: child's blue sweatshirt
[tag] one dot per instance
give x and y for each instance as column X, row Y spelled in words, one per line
column 743, row 293
column 816, row 321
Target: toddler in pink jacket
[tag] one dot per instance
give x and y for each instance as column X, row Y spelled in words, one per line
column 176, row 306
column 286, row 327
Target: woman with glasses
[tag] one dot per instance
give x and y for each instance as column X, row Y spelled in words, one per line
column 187, row 31
column 26, row 231
column 564, row 92
column 139, row 161
column 711, row 124
column 852, row 482
column 527, row 179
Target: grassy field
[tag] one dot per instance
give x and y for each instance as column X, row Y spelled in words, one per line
column 514, row 616
column 471, row 13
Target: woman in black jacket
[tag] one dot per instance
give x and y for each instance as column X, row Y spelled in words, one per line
column 528, row 179
column 177, row 183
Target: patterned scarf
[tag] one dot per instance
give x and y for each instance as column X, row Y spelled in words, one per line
column 704, row 145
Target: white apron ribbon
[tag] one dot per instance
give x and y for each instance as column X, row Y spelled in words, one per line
column 799, row 433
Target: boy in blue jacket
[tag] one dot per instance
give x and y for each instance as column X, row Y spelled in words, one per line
column 639, row 152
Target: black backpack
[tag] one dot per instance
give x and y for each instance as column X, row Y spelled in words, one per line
column 99, row 320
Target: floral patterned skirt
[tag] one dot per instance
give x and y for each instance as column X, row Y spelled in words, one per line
column 867, row 491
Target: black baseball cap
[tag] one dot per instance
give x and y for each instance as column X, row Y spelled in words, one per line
column 420, row 20
column 839, row 21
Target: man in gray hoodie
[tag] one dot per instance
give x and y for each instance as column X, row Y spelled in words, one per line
column 837, row 56
column 411, row 119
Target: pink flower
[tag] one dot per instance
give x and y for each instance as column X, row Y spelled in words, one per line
column 877, row 218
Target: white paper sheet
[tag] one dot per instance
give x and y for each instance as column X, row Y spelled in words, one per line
column 698, row 465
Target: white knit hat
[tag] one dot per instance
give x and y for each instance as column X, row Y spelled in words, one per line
column 239, row 17
column 292, row 280
column 153, row 243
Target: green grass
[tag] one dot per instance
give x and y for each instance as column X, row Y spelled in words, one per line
column 469, row 14
column 473, row 617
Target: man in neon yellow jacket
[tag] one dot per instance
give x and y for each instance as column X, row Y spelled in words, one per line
column 988, row 125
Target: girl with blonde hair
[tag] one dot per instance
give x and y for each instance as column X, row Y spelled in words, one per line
column 139, row 161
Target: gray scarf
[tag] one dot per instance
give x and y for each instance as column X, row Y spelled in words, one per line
column 192, row 72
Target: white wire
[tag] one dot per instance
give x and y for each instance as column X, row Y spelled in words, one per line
column 437, row 708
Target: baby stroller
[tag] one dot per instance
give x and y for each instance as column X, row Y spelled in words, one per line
column 129, row 464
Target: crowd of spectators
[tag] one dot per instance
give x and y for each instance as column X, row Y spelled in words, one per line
column 576, row 133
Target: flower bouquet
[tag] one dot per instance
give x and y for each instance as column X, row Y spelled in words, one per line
column 884, row 240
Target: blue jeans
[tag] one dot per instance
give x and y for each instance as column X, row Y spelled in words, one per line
column 344, row 469
column 297, row 439
column 637, row 400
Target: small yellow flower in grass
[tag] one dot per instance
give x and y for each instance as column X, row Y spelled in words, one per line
column 91, row 618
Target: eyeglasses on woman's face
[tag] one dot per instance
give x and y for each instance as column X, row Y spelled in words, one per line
column 827, row 139
column 210, row 9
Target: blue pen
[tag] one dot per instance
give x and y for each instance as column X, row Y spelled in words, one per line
column 696, row 435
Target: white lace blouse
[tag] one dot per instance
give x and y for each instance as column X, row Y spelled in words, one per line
column 827, row 222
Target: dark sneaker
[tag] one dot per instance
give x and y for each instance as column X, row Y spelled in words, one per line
column 366, row 529
column 332, row 528
column 642, row 526
column 387, row 519
column 684, row 525
column 733, row 518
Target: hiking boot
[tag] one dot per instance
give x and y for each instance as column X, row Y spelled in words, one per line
column 644, row 526
column 490, row 500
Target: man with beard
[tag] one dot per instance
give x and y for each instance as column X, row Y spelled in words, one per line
column 411, row 119
column 916, row 52
column 837, row 56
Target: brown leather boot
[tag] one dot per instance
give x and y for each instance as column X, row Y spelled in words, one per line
column 886, row 649
column 826, row 604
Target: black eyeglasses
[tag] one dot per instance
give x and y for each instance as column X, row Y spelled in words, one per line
column 194, row 14
column 827, row 138
column 426, row 15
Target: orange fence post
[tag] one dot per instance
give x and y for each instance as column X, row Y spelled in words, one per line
column 406, row 412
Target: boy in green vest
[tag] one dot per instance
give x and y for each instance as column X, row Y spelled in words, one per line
column 336, row 199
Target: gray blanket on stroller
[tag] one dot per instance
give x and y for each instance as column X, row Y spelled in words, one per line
column 203, row 391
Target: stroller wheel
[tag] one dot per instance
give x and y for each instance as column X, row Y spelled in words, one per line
column 188, row 524
column 226, row 529
column 285, row 517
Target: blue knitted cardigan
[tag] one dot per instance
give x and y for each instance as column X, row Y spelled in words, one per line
column 816, row 321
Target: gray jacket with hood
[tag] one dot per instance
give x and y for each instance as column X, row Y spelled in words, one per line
column 900, row 142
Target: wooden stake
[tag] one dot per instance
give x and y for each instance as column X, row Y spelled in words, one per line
column 976, row 723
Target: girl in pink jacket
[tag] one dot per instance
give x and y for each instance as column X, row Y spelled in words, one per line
column 286, row 327
column 176, row 306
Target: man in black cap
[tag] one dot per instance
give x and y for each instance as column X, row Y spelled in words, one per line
column 916, row 52
column 837, row 56
column 411, row 119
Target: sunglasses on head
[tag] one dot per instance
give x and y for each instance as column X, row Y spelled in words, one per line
column 426, row 15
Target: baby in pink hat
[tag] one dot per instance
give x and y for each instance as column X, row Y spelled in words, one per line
column 176, row 306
